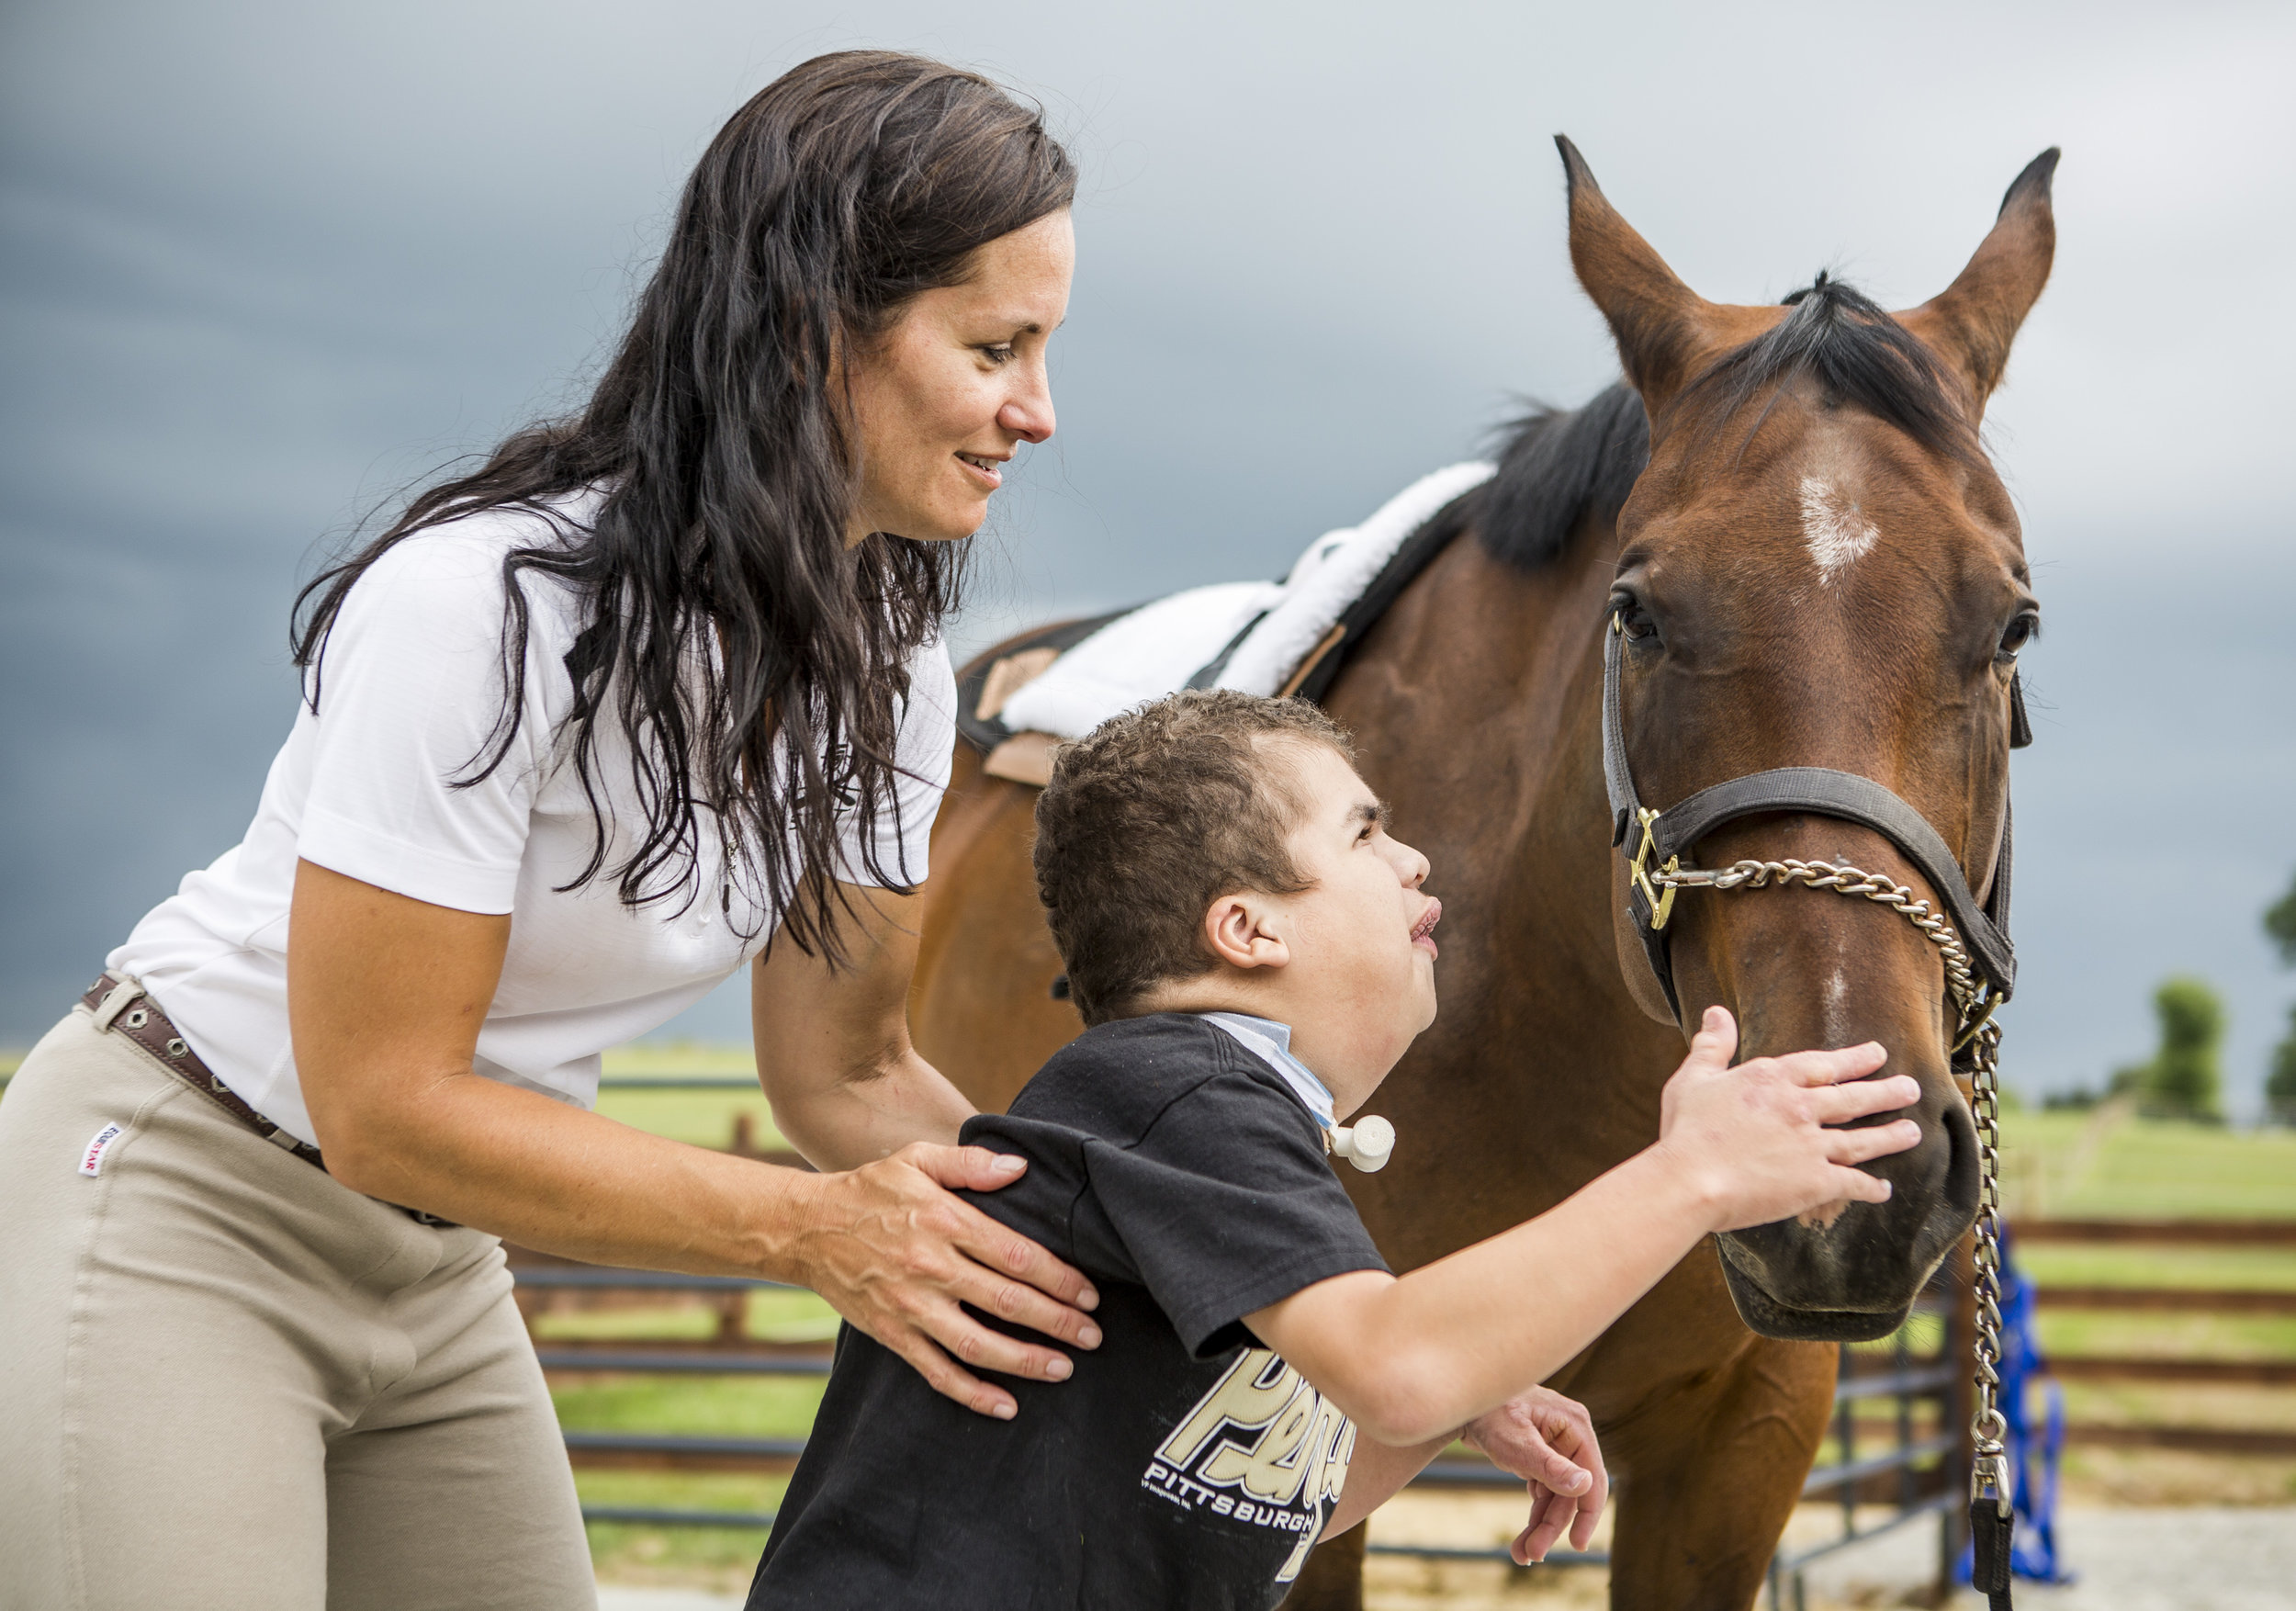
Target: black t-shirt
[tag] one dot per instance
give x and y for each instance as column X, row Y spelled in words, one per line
column 1183, row 1464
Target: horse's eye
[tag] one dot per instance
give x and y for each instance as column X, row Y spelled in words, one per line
column 2019, row 631
column 1633, row 619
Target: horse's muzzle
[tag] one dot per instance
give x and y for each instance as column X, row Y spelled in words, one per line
column 1856, row 1279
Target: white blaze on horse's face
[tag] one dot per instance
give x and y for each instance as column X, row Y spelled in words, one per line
column 1836, row 529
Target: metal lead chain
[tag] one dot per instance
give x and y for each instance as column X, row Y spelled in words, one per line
column 1976, row 1044
column 1988, row 1475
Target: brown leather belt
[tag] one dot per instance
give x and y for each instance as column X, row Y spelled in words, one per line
column 121, row 1006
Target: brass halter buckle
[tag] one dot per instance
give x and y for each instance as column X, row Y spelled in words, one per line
column 1661, row 901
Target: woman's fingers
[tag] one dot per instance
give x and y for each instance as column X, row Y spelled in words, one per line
column 975, row 1346
column 979, row 1281
column 946, row 1378
column 896, row 1254
column 980, row 1169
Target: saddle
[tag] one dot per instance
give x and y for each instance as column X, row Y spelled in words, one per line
column 1289, row 638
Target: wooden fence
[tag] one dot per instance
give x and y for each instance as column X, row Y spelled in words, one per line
column 2273, row 1373
column 548, row 1281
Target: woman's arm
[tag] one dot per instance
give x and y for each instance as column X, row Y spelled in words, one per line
column 1737, row 1146
column 833, row 1043
column 386, row 995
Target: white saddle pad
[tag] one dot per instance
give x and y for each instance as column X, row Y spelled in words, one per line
column 1157, row 648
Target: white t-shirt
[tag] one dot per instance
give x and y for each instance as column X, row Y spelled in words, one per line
column 411, row 685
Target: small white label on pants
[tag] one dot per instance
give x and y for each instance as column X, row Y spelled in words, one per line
column 92, row 1158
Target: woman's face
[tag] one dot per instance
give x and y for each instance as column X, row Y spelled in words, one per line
column 945, row 398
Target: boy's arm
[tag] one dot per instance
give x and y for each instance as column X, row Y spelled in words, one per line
column 1407, row 1360
column 1376, row 1473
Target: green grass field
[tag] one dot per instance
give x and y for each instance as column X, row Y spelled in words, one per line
column 2107, row 1165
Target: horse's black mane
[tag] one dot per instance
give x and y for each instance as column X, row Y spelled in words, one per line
column 1557, row 466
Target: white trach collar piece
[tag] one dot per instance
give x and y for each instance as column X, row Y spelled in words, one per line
column 1367, row 1144
column 1836, row 529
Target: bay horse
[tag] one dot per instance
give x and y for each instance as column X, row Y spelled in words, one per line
column 1786, row 513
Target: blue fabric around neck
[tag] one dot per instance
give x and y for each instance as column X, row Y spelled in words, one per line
column 1271, row 1042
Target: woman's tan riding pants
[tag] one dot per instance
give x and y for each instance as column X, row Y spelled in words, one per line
column 226, row 1381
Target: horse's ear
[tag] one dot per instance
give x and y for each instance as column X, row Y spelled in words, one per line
column 1971, row 323
column 1662, row 327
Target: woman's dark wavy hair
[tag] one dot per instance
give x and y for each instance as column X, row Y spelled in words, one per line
column 730, row 632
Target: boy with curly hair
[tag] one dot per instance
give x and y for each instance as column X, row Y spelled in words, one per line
column 1252, row 952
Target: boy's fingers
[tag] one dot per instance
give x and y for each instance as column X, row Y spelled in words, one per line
column 1717, row 1040
column 1562, row 1474
column 1826, row 1068
column 1591, row 1504
column 1832, row 1104
column 1582, row 1527
column 1540, row 1531
column 1516, row 1444
column 1862, row 1146
column 1551, row 1513
column 1859, row 1187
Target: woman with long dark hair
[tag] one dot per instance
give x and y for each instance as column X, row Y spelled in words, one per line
column 656, row 692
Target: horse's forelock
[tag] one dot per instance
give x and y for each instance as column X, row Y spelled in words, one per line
column 1859, row 356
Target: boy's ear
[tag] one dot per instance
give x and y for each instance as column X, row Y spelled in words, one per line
column 1239, row 931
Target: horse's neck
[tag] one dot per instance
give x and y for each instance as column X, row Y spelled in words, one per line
column 1477, row 710
column 1476, row 703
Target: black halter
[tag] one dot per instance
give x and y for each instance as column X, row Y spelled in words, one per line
column 1658, row 840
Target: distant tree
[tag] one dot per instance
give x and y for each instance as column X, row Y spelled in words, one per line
column 2182, row 1080
column 2279, row 922
column 2279, row 1085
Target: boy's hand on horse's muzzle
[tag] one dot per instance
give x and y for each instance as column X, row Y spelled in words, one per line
column 1549, row 1441
column 1762, row 1141
column 897, row 1255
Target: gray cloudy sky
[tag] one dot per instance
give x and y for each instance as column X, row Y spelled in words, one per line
column 266, row 262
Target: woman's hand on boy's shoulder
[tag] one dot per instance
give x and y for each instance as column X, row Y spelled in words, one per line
column 893, row 1251
column 1762, row 1141
column 1549, row 1441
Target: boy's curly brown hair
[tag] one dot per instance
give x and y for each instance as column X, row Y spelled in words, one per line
column 1154, row 815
